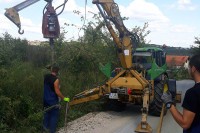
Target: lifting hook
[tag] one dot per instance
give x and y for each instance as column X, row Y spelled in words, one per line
column 20, row 31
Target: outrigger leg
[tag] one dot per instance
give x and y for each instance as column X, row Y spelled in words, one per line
column 144, row 127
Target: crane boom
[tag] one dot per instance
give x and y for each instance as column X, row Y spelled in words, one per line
column 24, row 4
column 123, row 40
column 13, row 15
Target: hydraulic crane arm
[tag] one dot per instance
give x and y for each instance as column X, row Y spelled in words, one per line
column 110, row 13
column 13, row 15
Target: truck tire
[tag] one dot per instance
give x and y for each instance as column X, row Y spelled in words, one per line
column 156, row 105
column 115, row 105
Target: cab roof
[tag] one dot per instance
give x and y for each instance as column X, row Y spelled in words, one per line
column 145, row 49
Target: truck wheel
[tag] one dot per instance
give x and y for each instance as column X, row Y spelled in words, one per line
column 115, row 105
column 156, row 105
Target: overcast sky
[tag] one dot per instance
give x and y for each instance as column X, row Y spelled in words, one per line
column 171, row 22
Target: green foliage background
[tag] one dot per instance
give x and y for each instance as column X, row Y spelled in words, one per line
column 22, row 67
column 196, row 47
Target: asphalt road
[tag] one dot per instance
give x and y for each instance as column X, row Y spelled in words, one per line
column 130, row 118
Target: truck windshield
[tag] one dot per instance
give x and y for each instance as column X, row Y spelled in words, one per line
column 142, row 57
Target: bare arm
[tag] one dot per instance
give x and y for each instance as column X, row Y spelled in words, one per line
column 57, row 89
column 184, row 120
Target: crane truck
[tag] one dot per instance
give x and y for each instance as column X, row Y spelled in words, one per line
column 142, row 74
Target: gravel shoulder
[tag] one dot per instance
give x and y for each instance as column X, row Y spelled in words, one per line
column 91, row 122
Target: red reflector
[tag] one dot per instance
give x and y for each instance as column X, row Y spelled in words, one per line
column 129, row 91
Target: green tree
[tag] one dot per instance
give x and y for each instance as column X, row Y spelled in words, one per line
column 196, row 49
column 12, row 49
column 142, row 33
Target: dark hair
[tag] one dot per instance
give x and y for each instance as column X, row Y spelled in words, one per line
column 55, row 68
column 195, row 61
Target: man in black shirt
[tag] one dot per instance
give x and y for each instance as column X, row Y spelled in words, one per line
column 51, row 98
column 189, row 120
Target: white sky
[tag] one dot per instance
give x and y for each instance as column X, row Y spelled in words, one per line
column 171, row 22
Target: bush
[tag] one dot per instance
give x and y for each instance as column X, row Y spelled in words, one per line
column 179, row 74
column 22, row 69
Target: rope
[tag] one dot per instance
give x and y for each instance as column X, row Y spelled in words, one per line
column 51, row 107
